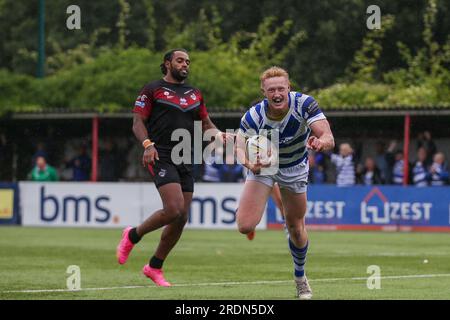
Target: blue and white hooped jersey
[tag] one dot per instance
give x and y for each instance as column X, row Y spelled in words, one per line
column 420, row 175
column 440, row 176
column 397, row 172
column 293, row 129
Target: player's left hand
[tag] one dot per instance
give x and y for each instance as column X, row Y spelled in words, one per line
column 314, row 143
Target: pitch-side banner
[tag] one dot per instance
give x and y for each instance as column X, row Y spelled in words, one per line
column 9, row 203
column 80, row 204
column 121, row 204
column 374, row 208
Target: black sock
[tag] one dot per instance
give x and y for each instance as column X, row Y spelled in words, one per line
column 156, row 263
column 133, row 236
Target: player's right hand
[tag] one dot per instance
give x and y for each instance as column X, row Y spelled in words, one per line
column 150, row 156
column 314, row 143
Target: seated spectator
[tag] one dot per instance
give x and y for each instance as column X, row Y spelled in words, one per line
column 370, row 174
column 439, row 171
column 419, row 171
column 42, row 171
column 81, row 165
column 345, row 166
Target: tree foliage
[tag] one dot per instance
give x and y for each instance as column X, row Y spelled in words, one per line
column 424, row 82
column 227, row 73
column 323, row 44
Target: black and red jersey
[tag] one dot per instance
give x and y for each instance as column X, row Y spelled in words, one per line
column 167, row 107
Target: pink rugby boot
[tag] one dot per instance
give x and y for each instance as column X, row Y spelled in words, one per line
column 251, row 235
column 156, row 275
column 125, row 246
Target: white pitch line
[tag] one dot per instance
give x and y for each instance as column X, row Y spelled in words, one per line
column 231, row 283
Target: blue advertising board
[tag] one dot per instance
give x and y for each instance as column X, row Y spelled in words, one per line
column 374, row 208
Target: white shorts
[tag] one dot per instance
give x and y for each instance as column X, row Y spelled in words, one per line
column 293, row 178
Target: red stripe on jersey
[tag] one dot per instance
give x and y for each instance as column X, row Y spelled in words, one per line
column 183, row 101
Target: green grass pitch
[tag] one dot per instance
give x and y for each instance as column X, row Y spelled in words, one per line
column 223, row 265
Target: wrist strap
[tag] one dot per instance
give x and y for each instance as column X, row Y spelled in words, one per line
column 147, row 143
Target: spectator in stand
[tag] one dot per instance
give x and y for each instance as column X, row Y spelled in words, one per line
column 109, row 163
column 381, row 162
column 134, row 170
column 420, row 175
column 391, row 160
column 439, row 171
column 425, row 140
column 42, row 171
column 316, row 168
column 231, row 171
column 370, row 174
column 81, row 165
column 212, row 165
column 345, row 166
column 40, row 152
column 398, row 169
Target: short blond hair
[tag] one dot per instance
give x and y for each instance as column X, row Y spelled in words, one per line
column 273, row 72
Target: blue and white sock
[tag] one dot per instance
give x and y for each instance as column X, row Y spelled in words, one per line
column 299, row 257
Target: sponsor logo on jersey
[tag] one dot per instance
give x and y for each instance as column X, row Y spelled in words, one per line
column 140, row 104
column 167, row 94
column 286, row 140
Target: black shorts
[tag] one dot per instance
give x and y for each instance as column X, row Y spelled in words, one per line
column 164, row 172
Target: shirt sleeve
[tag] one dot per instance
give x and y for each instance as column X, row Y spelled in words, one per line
column 144, row 103
column 311, row 112
column 248, row 126
column 202, row 113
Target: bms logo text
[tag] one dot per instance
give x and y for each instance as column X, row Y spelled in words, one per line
column 213, row 210
column 83, row 209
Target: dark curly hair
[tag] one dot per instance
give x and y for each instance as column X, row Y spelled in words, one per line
column 168, row 57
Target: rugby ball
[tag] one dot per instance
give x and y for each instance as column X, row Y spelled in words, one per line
column 260, row 146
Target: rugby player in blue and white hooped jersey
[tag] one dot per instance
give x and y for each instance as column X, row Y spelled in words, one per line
column 294, row 116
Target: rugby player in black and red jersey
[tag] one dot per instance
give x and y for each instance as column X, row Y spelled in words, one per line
column 162, row 107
